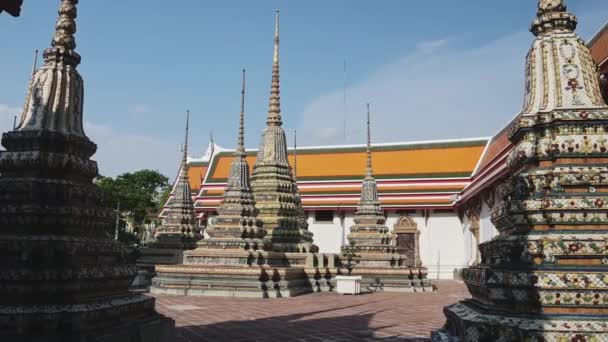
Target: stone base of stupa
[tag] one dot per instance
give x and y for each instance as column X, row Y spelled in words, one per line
column 238, row 273
column 123, row 319
column 149, row 258
column 468, row 322
column 393, row 279
column 390, row 273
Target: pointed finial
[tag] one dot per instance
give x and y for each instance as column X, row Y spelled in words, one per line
column 276, row 37
column 295, row 154
column 274, row 108
column 551, row 5
column 211, row 138
column 64, row 43
column 552, row 15
column 185, row 148
column 240, row 149
column 369, row 147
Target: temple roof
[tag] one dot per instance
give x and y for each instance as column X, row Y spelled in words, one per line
column 422, row 173
column 598, row 44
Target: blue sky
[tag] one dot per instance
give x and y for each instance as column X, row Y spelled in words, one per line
column 432, row 69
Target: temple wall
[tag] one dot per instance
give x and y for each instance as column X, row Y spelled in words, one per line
column 442, row 239
column 327, row 235
column 445, row 243
column 441, row 244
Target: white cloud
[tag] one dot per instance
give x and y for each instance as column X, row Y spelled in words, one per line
column 140, row 109
column 431, row 46
column 433, row 93
column 119, row 152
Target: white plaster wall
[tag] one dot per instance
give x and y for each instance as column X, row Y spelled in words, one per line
column 326, row 235
column 445, row 244
column 487, row 229
column 441, row 246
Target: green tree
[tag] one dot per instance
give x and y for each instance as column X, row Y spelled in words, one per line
column 139, row 194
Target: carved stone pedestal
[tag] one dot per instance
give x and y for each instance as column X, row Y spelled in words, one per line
column 239, row 273
column 149, row 258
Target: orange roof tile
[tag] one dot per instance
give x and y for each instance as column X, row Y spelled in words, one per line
column 425, row 160
column 414, row 174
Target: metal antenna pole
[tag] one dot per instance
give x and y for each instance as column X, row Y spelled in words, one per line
column 344, row 102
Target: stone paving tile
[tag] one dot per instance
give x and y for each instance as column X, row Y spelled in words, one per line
column 319, row 317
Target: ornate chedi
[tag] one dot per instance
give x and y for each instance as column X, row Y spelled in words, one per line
column 545, row 277
column 370, row 234
column 369, row 238
column 62, row 278
column 237, row 225
column 179, row 229
column 233, row 260
column 240, row 258
column 272, row 181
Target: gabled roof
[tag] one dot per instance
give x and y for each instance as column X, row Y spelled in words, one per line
column 409, row 174
column 598, row 44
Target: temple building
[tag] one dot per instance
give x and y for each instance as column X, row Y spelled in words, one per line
column 440, row 187
column 417, row 182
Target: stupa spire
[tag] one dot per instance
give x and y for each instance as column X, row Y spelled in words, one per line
column 369, row 191
column 272, row 180
column 295, row 154
column 552, row 15
column 185, row 149
column 369, row 173
column 65, row 27
column 550, row 206
column 55, row 95
column 369, row 233
column 236, row 226
column 274, row 108
column 240, row 148
column 178, row 229
column 63, row 278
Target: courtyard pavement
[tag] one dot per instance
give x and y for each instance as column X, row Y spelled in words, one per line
column 312, row 317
